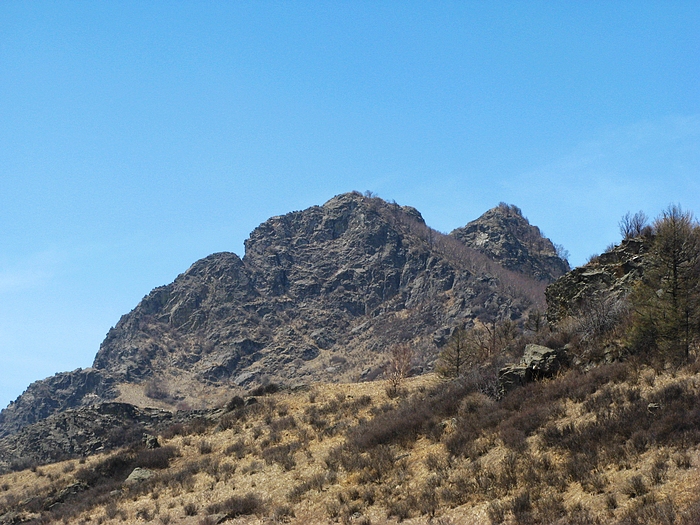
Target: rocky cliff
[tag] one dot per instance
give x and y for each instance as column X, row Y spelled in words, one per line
column 505, row 236
column 321, row 294
column 55, row 394
column 607, row 276
column 79, row 432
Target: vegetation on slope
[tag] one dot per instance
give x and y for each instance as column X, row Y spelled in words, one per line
column 617, row 444
column 602, row 442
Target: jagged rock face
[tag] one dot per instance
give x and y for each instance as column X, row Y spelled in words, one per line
column 54, row 394
column 348, row 276
column 79, row 432
column 504, row 235
column 321, row 295
column 611, row 274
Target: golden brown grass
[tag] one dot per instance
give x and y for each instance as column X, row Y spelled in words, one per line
column 283, row 445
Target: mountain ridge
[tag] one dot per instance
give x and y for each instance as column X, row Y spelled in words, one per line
column 320, row 294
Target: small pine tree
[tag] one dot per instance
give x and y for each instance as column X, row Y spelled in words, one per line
column 453, row 359
column 667, row 302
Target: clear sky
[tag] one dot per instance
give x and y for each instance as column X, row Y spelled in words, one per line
column 138, row 137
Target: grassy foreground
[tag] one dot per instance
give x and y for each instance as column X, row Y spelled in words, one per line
column 616, row 444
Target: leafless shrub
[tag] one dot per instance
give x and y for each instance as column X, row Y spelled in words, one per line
column 234, row 403
column 682, row 459
column 598, row 316
column 496, row 512
column 190, row 509
column 111, row 510
column 315, row 482
column 283, row 423
column 648, row 509
column 282, row 513
column 632, row 226
column 659, row 468
column 197, row 426
column 399, row 366
column 636, row 486
column 521, row 507
column 176, row 429
column 237, row 506
column 238, row 449
column 580, row 515
column 549, row 508
column 205, row 447
column 400, row 508
column 144, row 513
column 282, row 454
column 263, row 390
column 156, row 389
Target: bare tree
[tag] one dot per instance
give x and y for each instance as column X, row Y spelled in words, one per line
column 562, row 252
column 632, row 226
column 399, row 367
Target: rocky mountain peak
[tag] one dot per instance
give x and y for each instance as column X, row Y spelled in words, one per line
column 506, row 236
column 320, row 295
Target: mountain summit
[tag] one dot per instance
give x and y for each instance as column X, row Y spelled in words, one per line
column 504, row 235
column 320, row 295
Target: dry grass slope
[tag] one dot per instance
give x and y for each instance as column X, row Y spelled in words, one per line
column 618, row 444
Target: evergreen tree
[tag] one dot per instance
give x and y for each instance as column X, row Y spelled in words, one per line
column 452, row 359
column 667, row 308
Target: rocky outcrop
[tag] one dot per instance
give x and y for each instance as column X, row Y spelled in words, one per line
column 608, row 276
column 538, row 362
column 504, row 235
column 66, row 390
column 79, row 432
column 320, row 295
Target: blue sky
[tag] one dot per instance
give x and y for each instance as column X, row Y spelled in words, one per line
column 138, row 137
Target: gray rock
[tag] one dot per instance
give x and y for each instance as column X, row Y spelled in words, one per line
column 611, row 274
column 82, row 387
column 309, row 354
column 71, row 490
column 138, row 475
column 538, row 362
column 150, row 441
column 244, row 378
column 543, row 361
column 504, row 235
column 80, row 432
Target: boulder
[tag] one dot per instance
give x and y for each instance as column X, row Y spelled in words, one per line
column 139, row 475
column 150, row 441
column 538, row 362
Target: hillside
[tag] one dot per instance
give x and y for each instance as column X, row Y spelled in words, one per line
column 596, row 418
column 320, row 295
column 616, row 445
